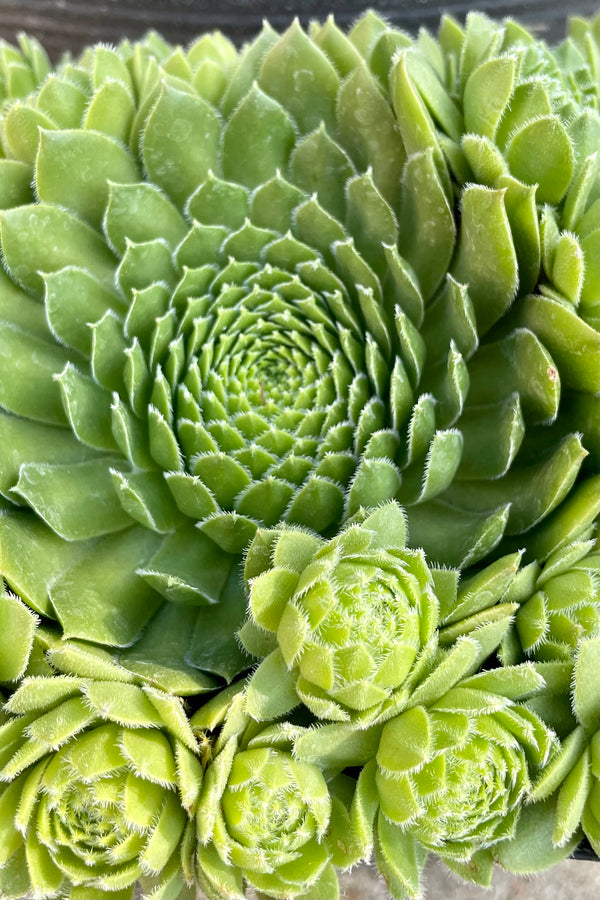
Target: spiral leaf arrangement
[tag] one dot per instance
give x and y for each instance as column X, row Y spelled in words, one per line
column 100, row 781
column 264, row 818
column 299, row 357
column 350, row 617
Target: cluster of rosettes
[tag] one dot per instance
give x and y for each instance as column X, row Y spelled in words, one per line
column 448, row 753
column 282, row 285
column 107, row 782
column 250, row 303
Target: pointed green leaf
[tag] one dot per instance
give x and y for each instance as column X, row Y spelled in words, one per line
column 540, row 152
column 321, row 168
column 159, row 656
column 248, row 67
column 571, row 800
column 214, row 644
column 15, row 183
column 405, row 743
column 492, row 436
column 27, row 366
column 270, row 692
column 485, row 588
column 486, row 258
column 31, row 557
column 474, row 534
column 369, row 131
column 562, row 762
column 518, row 363
column 397, row 858
column 450, row 317
column 487, row 91
column 16, row 639
column 455, row 663
column 180, row 142
column 165, row 837
column 300, row 77
column 108, row 352
column 586, row 690
column 427, row 229
column 150, row 755
column 145, row 497
column 574, row 345
column 532, row 848
column 23, row 441
column 63, row 99
column 73, row 298
column 140, row 212
column 23, row 127
column 88, row 408
column 76, row 500
column 111, row 111
column 533, row 490
column 189, row 568
column 253, row 162
column 144, row 264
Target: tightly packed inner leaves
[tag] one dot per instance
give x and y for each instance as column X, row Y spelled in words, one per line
column 299, row 462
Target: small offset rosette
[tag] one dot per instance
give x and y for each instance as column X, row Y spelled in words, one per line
column 346, row 618
column 265, row 819
column 99, row 783
column 564, row 796
column 450, row 774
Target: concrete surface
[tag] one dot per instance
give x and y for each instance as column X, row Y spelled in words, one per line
column 570, row 880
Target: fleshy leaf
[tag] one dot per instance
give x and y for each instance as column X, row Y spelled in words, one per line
column 180, row 141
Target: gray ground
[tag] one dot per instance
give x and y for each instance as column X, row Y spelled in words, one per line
column 570, row 880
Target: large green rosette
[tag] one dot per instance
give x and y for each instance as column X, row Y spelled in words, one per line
column 263, row 302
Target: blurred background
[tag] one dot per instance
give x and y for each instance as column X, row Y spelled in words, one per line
column 70, row 24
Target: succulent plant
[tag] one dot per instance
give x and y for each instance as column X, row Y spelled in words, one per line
column 325, row 308
column 350, row 616
column 564, row 796
column 264, row 819
column 559, row 604
column 99, row 783
column 351, row 626
column 232, row 332
column 449, row 775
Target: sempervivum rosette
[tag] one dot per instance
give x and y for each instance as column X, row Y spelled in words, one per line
column 99, row 782
column 265, row 819
column 348, row 617
column 448, row 775
column 359, row 627
column 558, row 604
column 259, row 304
